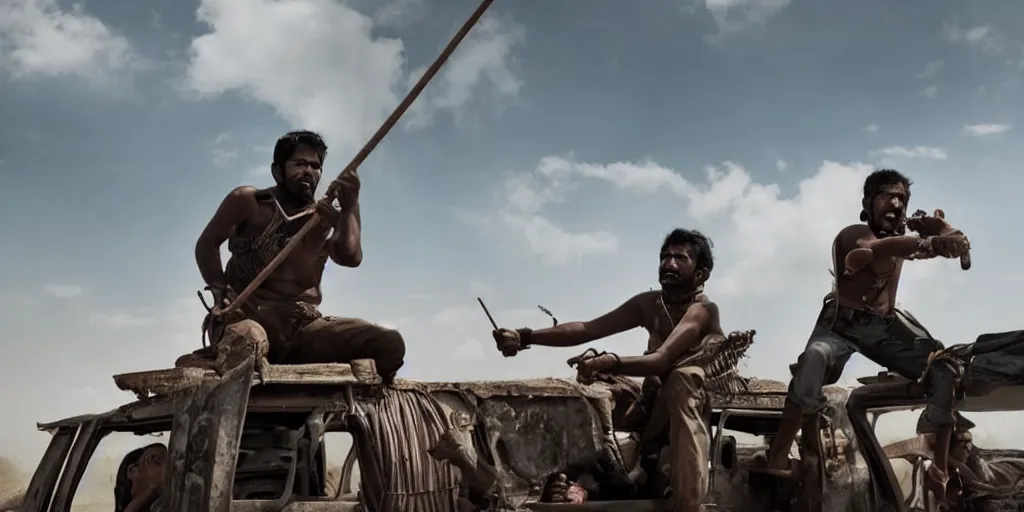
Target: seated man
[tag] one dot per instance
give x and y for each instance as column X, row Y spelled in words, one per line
column 140, row 479
column 283, row 313
column 678, row 319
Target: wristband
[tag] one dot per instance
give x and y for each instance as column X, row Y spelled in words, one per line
column 525, row 334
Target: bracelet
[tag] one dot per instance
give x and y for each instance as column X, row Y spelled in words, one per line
column 924, row 245
column 525, row 334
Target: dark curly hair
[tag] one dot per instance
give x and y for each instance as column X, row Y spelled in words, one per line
column 880, row 179
column 700, row 243
column 289, row 142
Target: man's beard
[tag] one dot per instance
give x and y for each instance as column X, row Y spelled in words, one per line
column 294, row 193
column 677, row 288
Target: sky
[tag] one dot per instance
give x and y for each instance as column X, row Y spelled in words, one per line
column 543, row 166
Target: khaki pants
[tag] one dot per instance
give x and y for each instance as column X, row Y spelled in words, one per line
column 681, row 406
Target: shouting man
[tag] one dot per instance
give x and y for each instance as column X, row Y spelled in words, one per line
column 283, row 313
column 860, row 315
column 679, row 320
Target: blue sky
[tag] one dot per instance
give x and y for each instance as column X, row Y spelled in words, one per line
column 543, row 166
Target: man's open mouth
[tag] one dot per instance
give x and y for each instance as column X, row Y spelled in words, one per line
column 669, row 276
column 891, row 216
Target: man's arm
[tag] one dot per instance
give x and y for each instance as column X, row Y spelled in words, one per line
column 239, row 205
column 346, row 247
column 622, row 318
column 687, row 334
column 867, row 248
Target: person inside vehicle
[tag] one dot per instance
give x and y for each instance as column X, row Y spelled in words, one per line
column 282, row 319
column 679, row 319
column 860, row 315
column 140, row 479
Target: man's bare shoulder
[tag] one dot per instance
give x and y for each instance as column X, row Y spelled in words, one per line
column 850, row 235
column 243, row 192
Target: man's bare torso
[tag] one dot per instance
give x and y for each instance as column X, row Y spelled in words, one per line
column 300, row 275
column 659, row 319
column 873, row 288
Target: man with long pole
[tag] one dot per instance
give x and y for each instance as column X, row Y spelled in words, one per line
column 280, row 239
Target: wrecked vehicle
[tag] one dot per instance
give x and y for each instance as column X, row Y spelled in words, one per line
column 253, row 441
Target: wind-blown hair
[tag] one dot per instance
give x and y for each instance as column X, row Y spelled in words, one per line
column 700, row 243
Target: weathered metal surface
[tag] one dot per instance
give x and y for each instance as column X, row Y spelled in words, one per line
column 295, row 506
column 40, row 488
column 171, row 380
column 204, row 441
column 85, row 445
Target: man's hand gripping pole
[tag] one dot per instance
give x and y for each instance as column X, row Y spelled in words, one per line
column 358, row 159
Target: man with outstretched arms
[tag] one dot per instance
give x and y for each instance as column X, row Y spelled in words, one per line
column 860, row 315
column 680, row 322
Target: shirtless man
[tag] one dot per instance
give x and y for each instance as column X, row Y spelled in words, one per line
column 283, row 312
column 678, row 318
column 860, row 315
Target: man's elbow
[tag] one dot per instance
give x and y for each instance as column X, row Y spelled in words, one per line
column 350, row 259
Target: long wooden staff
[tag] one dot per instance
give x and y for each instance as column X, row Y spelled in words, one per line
column 360, row 157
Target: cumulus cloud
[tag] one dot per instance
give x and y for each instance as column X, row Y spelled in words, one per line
column 39, row 38
column 981, row 130
column 120, row 319
column 482, row 62
column 930, row 92
column 983, row 37
column 781, row 165
column 64, row 291
column 930, row 69
column 732, row 15
column 925, row 152
column 339, row 78
column 871, row 128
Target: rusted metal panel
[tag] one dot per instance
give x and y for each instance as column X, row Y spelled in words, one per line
column 295, row 506
column 85, row 444
column 40, row 488
column 204, row 441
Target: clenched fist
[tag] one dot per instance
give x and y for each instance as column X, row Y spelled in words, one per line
column 509, row 341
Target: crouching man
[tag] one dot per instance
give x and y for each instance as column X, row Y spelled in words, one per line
column 685, row 336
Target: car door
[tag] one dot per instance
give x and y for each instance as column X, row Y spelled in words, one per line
column 204, row 441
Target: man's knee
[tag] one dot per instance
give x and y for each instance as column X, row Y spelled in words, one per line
column 685, row 388
column 809, row 371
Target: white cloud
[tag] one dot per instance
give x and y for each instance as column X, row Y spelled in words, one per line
column 981, row 130
column 480, row 288
column 482, row 61
column 732, row 15
column 871, row 128
column 471, row 350
column 925, row 152
column 39, row 38
column 64, row 291
column 781, row 165
column 930, row 69
column 930, row 92
column 224, row 150
column 399, row 13
column 982, row 37
column 120, row 319
column 418, row 296
column 346, row 81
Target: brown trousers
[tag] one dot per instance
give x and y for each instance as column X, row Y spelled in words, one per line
column 681, row 406
column 296, row 333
